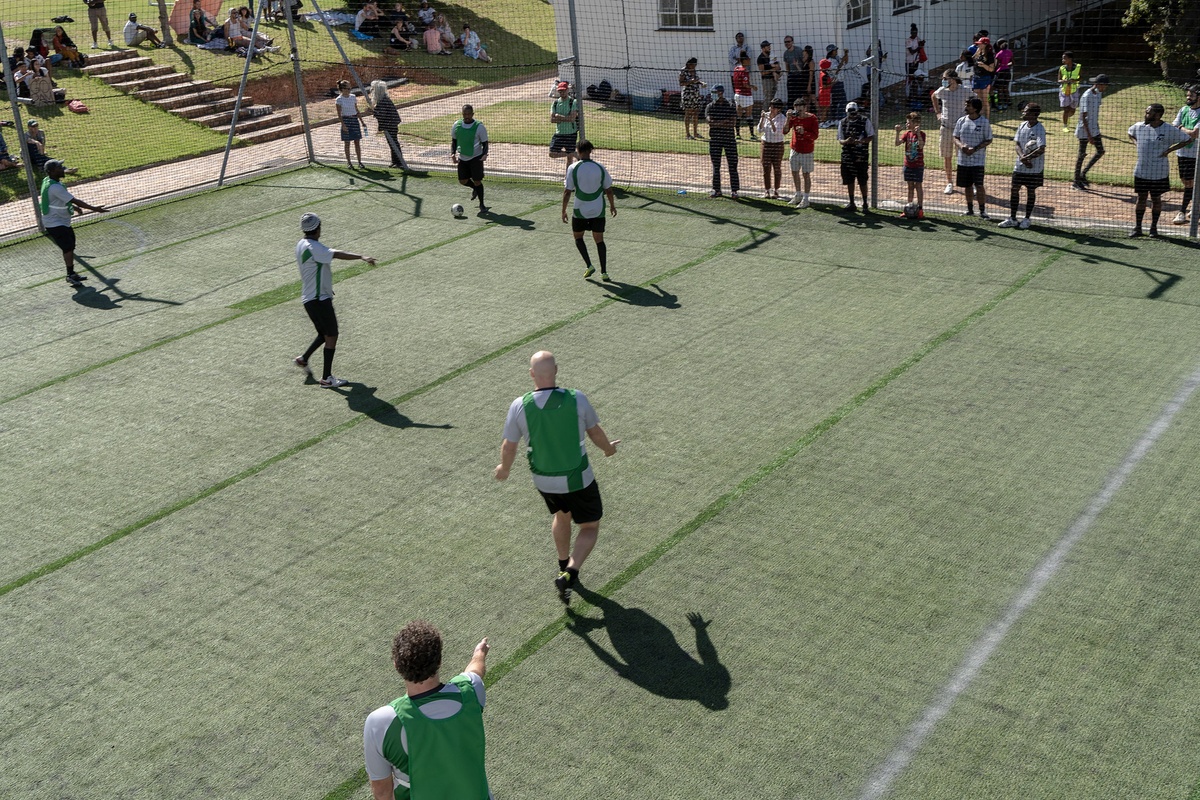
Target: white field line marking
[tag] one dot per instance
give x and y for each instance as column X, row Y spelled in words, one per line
column 881, row 780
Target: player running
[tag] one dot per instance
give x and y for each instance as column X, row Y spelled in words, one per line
column 469, row 149
column 590, row 182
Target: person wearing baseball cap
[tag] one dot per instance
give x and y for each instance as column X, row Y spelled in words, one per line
column 1087, row 129
column 564, row 115
column 57, row 205
column 769, row 71
column 316, row 293
column 854, row 134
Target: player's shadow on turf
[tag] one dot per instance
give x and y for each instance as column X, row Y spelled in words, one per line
column 639, row 296
column 506, row 220
column 648, row 655
column 362, row 400
column 101, row 299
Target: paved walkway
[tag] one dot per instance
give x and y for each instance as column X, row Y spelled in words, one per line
column 1058, row 203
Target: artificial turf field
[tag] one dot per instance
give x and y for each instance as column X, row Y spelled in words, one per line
column 848, row 443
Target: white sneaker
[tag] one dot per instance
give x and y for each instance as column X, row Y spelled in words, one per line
column 803, row 202
column 332, row 382
column 1180, row 219
column 767, row 195
column 795, row 201
column 95, row 46
column 110, row 44
column 1008, row 222
column 1024, row 224
column 949, row 189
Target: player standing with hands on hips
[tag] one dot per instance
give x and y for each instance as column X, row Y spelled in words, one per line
column 590, row 182
column 316, row 292
column 469, row 149
column 554, row 421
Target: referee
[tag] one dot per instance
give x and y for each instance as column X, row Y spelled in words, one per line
column 316, row 292
column 590, row 182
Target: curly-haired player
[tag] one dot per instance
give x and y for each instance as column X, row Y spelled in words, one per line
column 428, row 743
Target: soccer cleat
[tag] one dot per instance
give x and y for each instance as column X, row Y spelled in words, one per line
column 75, row 279
column 949, row 189
column 1136, row 233
column 733, row 195
column 713, row 195
column 983, row 214
column 1066, row 129
column 563, row 584
column 589, row 272
column 303, row 365
column 970, row 212
column 604, row 276
column 332, row 382
column 1153, row 232
column 851, row 208
column 1024, row 224
column 1180, row 219
column 1008, row 223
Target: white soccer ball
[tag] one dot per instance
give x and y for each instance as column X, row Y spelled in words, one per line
column 911, row 210
column 456, row 210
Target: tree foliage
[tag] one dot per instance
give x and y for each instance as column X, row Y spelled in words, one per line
column 1173, row 31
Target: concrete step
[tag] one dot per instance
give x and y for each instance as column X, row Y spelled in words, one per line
column 134, row 71
column 96, row 58
column 191, row 99
column 175, row 90
column 278, row 131
column 114, row 62
column 214, row 107
column 144, row 83
column 253, row 124
column 223, row 118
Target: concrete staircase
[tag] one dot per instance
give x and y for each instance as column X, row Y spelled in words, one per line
column 196, row 101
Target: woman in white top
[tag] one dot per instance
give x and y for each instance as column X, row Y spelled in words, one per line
column 771, row 125
column 352, row 124
column 443, row 28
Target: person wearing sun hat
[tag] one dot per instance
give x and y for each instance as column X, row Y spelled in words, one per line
column 1087, row 129
column 564, row 115
column 316, row 293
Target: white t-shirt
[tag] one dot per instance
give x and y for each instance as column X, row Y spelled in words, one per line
column 1030, row 138
column 1089, row 104
column 316, row 275
column 972, row 133
column 426, row 15
column 347, row 106
column 592, row 178
column 131, row 32
column 952, row 101
column 516, row 429
column 56, row 205
column 769, row 134
column 1151, row 144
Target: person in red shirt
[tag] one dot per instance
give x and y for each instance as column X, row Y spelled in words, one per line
column 743, row 95
column 805, row 128
column 825, row 90
column 913, row 141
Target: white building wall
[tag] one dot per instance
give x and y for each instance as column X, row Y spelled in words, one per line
column 610, row 40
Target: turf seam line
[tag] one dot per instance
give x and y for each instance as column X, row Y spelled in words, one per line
column 243, row 309
column 713, row 509
column 981, row 650
column 381, row 408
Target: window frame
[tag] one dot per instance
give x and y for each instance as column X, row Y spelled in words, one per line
column 700, row 10
column 864, row 9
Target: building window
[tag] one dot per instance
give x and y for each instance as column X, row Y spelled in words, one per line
column 858, row 12
column 900, row 6
column 685, row 14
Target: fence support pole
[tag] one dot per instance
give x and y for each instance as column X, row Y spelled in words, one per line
column 237, row 103
column 876, row 66
column 291, row 23
column 16, row 110
column 578, row 68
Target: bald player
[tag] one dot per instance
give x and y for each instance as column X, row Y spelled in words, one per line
column 554, row 421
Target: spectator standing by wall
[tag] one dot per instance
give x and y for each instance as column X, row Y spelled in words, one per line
column 1068, row 88
column 1155, row 140
column 689, row 98
column 804, row 127
column 972, row 135
column 824, row 90
column 1030, row 141
column 743, row 95
column 985, row 73
column 736, row 50
column 1087, row 129
column 768, row 72
column 912, row 61
column 771, row 126
column 949, row 103
column 1188, row 121
column 791, row 69
column 839, row 72
column 854, row 134
column 722, row 125
column 1004, row 59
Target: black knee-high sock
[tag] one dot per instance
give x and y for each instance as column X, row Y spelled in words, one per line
column 574, row 573
column 328, row 353
column 602, row 249
column 582, row 247
column 312, row 348
column 480, row 188
column 1187, row 197
column 1030, row 201
column 1014, row 202
column 562, row 563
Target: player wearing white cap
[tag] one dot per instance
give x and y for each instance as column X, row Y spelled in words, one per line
column 316, row 292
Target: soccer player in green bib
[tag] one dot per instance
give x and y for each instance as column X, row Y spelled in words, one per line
column 469, row 149
column 555, row 422
column 590, row 183
column 429, row 744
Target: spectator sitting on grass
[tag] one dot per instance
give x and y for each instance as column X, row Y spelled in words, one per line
column 444, row 30
column 399, row 13
column 35, row 140
column 472, row 47
column 6, row 161
column 367, row 20
column 433, row 42
column 425, row 13
column 403, row 37
column 66, row 48
column 199, row 22
column 135, row 34
column 37, row 44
